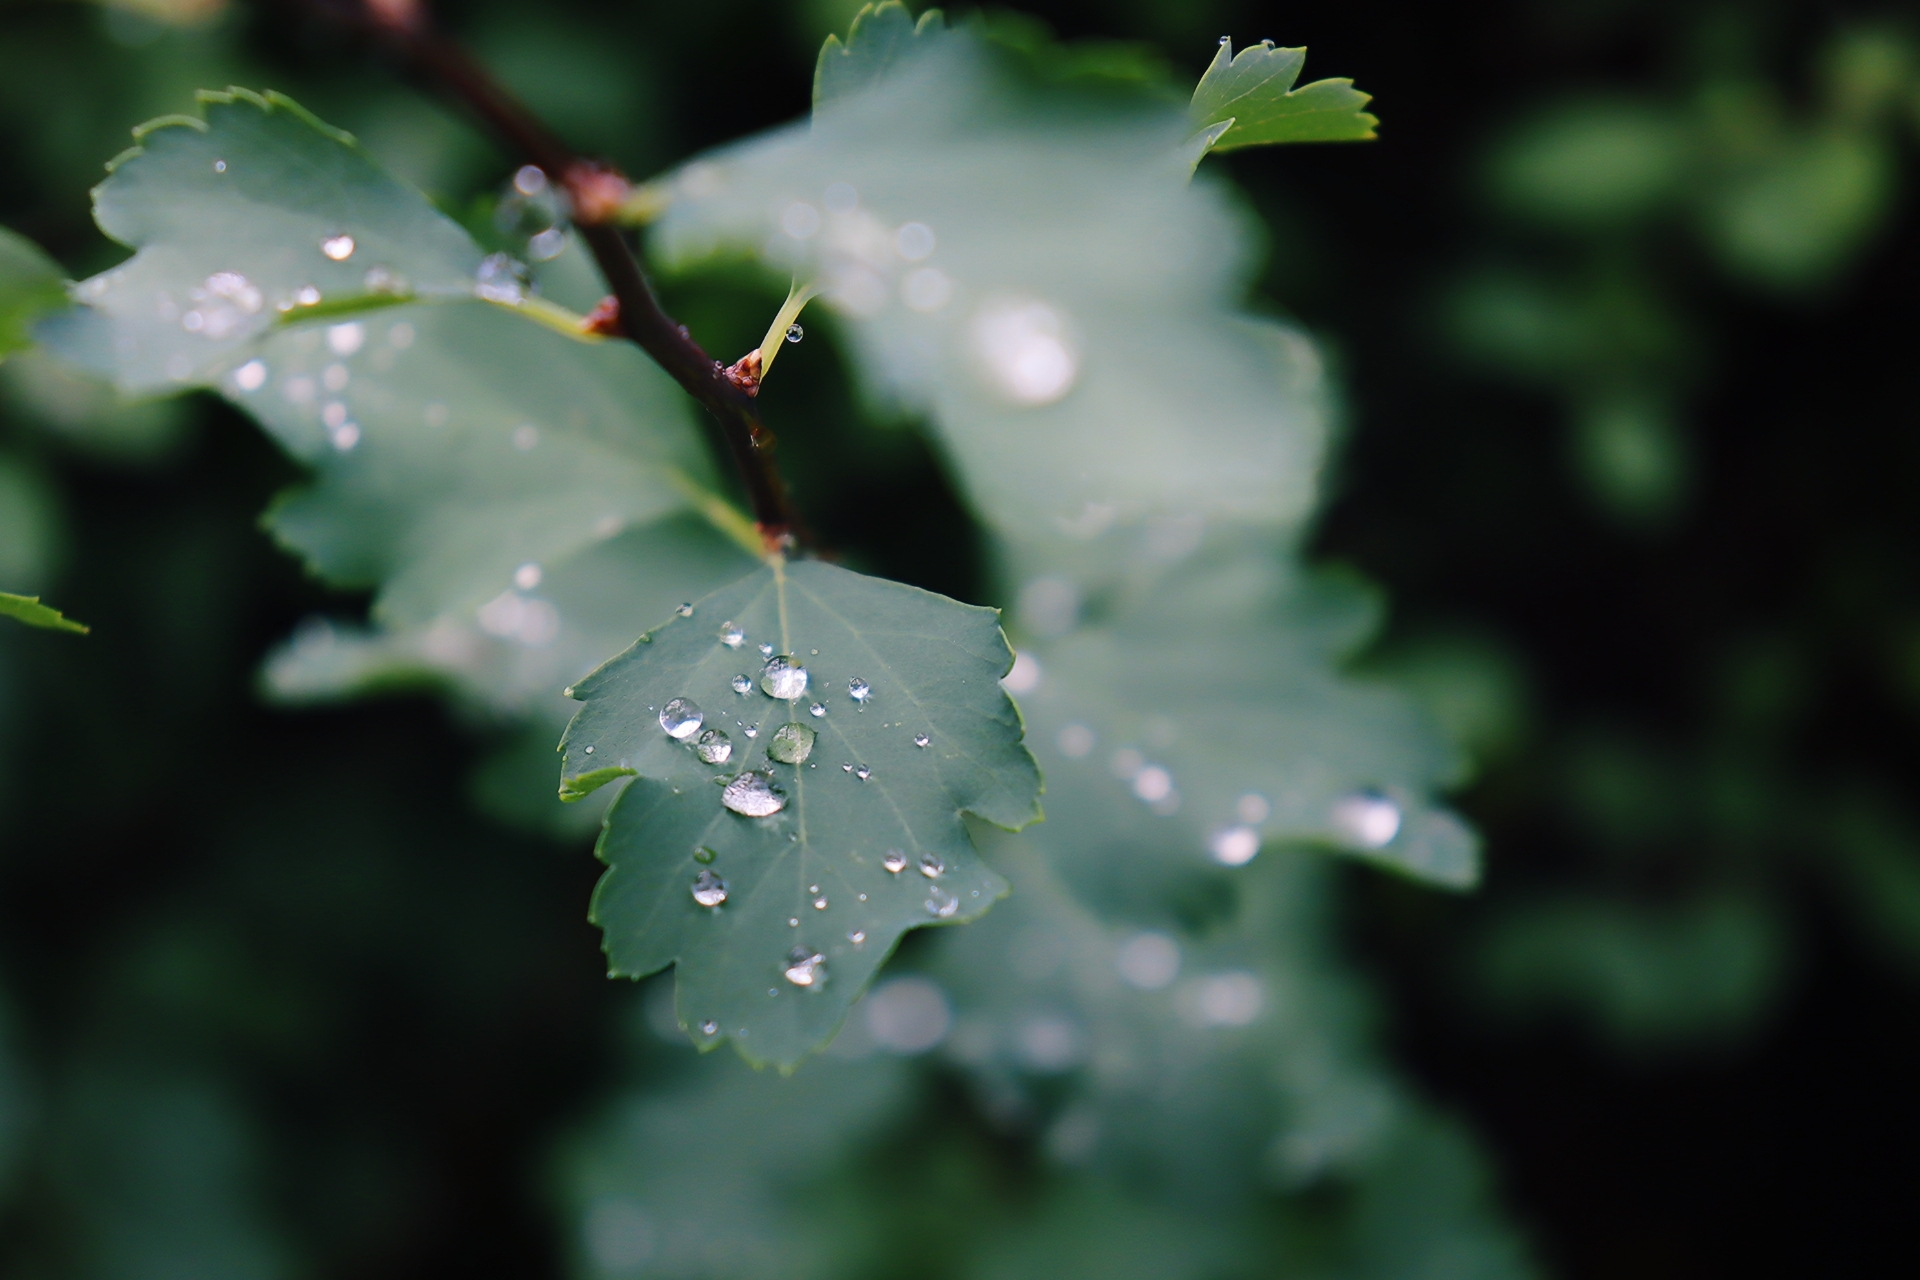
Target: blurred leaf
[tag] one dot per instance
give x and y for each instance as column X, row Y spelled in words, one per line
column 1800, row 215
column 29, row 610
column 1254, row 90
column 822, row 786
column 1587, row 164
column 1631, row 453
column 31, row 284
column 880, row 38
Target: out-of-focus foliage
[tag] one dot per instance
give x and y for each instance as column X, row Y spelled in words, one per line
column 30, row 286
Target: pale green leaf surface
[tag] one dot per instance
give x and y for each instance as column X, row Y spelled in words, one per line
column 1063, row 303
column 223, row 252
column 1254, row 90
column 933, row 668
column 31, row 284
column 29, row 610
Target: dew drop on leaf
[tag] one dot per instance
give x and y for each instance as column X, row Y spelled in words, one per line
column 857, row 937
column 766, row 650
column 806, row 967
column 704, row 855
column 709, row 1028
column 339, row 247
column 1235, row 846
column 782, row 677
column 742, row 683
column 863, row 773
column 932, row 866
column 709, row 890
column 681, row 718
column 921, row 739
column 753, row 731
column 685, row 611
column 895, row 861
column 819, row 904
column 714, row 747
column 816, row 710
column 732, row 636
column 859, row 690
column 753, row 795
column 1368, row 819
column 791, row 744
column 940, row 903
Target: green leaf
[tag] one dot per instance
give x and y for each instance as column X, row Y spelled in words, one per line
column 881, row 37
column 29, row 610
column 240, row 220
column 1253, row 91
column 31, row 285
column 864, row 791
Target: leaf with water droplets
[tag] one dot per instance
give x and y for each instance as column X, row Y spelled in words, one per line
column 1252, row 94
column 29, row 610
column 252, row 216
column 785, row 833
column 31, row 285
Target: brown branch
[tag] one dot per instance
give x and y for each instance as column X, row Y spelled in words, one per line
column 593, row 190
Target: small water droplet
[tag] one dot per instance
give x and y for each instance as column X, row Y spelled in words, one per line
column 863, row 773
column 527, row 576
column 932, row 866
column 530, row 180
column 753, row 731
column 251, row 376
column 895, row 861
column 742, row 683
column 819, row 904
column 1368, row 819
column 709, row 1028
column 795, row 333
column 685, row 611
column 765, row 649
column 816, row 710
column 709, row 890
column 704, row 855
column 339, row 247
column 307, row 296
column 857, row 937
column 921, row 739
column 753, row 795
column 791, row 744
column 681, row 718
column 589, row 750
column 732, row 636
column 863, row 897
column 859, row 690
column 714, row 747
column 783, row 678
column 1235, row 846
column 940, row 903
column 806, row 967
column 219, row 166
column 846, row 768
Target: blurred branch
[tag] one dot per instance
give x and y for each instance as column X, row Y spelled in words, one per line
column 596, row 192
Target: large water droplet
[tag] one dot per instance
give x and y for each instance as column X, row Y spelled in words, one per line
column 895, row 861
column 782, row 677
column 859, row 690
column 709, row 890
column 791, row 744
column 932, row 866
column 742, row 683
column 795, row 333
column 732, row 636
column 753, row 795
column 681, row 718
column 806, row 967
column 714, row 747
column 940, row 903
column 339, row 247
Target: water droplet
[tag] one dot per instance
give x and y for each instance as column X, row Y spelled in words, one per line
column 859, row 690
column 765, row 650
column 753, row 795
column 895, row 861
column 307, row 296
column 819, row 904
column 714, row 747
column 791, row 744
column 795, row 333
column 685, row 611
column 863, row 773
column 857, row 937
column 501, row 279
column 816, row 710
column 863, row 897
column 704, row 855
column 339, row 247
column 1368, row 819
column 742, row 683
column 932, row 866
column 1235, row 846
column 709, row 890
column 783, row 678
column 530, row 180
column 921, row 739
column 219, row 166
column 753, row 731
column 1153, row 784
column 846, row 768
column 251, row 376
column 940, row 903
column 806, row 967
column 681, row 718
column 527, row 576
column 1024, row 346
column 732, row 636
column 709, row 1028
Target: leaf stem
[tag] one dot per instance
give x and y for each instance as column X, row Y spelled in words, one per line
column 597, row 194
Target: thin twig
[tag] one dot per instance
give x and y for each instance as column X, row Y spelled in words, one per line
column 595, row 192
